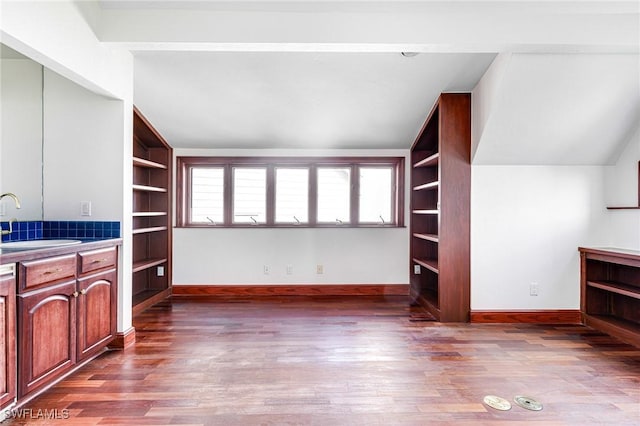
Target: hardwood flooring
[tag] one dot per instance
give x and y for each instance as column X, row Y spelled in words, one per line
column 344, row 361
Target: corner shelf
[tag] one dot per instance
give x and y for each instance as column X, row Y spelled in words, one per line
column 152, row 180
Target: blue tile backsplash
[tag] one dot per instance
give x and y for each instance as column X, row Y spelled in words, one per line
column 35, row 230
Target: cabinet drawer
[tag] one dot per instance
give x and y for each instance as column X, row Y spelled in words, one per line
column 35, row 273
column 97, row 259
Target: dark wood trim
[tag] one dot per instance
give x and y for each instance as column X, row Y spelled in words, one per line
column 292, row 290
column 123, row 339
column 156, row 298
column 568, row 316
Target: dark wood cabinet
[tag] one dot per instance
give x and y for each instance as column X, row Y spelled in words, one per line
column 152, row 157
column 46, row 335
column 8, row 378
column 66, row 320
column 97, row 302
column 610, row 291
column 440, row 210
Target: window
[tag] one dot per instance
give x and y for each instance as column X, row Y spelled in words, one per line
column 290, row 192
column 292, row 195
column 376, row 194
column 207, row 197
column 334, row 195
column 249, row 195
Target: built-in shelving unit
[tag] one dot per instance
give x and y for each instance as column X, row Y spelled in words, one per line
column 629, row 207
column 152, row 157
column 440, row 210
column 610, row 291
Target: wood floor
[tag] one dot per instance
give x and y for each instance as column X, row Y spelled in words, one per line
column 345, row 361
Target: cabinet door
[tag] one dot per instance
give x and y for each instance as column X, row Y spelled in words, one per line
column 97, row 305
column 7, row 339
column 46, row 335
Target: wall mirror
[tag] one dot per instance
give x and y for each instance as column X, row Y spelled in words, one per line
column 21, row 139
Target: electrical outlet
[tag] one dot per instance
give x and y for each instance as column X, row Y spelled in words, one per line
column 2, row 210
column 85, row 208
column 265, row 269
column 319, row 269
column 533, row 289
column 416, row 269
column 160, row 271
column 289, row 269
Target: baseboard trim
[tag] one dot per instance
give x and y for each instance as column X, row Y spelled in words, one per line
column 123, row 339
column 292, row 290
column 568, row 316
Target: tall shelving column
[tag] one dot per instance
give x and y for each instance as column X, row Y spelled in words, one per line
column 440, row 210
column 152, row 158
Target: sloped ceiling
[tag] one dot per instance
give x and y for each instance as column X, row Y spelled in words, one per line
column 561, row 109
column 330, row 74
column 297, row 99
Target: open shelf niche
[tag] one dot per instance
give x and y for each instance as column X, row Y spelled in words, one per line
column 610, row 291
column 151, row 189
column 440, row 210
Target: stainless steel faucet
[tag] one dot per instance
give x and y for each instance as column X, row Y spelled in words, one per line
column 15, row 200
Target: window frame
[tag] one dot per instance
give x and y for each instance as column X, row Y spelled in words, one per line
column 184, row 164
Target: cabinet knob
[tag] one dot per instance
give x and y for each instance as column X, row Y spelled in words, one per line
column 75, row 294
column 52, row 272
column 83, row 291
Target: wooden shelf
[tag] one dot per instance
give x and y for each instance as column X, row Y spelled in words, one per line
column 440, row 207
column 618, row 288
column 151, row 215
column 430, row 264
column 428, row 237
column 429, row 161
column 148, row 188
column 430, row 185
column 141, row 162
column 148, row 214
column 624, row 208
column 610, row 291
column 150, row 229
column 147, row 263
column 627, row 331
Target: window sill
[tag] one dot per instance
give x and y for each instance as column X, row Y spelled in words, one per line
column 205, row 226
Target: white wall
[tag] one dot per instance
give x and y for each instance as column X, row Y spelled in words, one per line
column 82, row 151
column 21, row 138
column 56, row 35
column 621, row 189
column 237, row 256
column 527, row 223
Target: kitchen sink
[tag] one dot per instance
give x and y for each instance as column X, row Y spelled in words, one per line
column 35, row 244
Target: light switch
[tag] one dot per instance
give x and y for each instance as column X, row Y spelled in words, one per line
column 85, row 208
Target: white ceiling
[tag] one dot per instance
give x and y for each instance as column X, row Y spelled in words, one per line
column 329, row 74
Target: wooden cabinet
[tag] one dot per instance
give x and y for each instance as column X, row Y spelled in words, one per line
column 8, row 378
column 152, row 157
column 440, row 210
column 96, row 308
column 66, row 319
column 46, row 335
column 610, row 291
